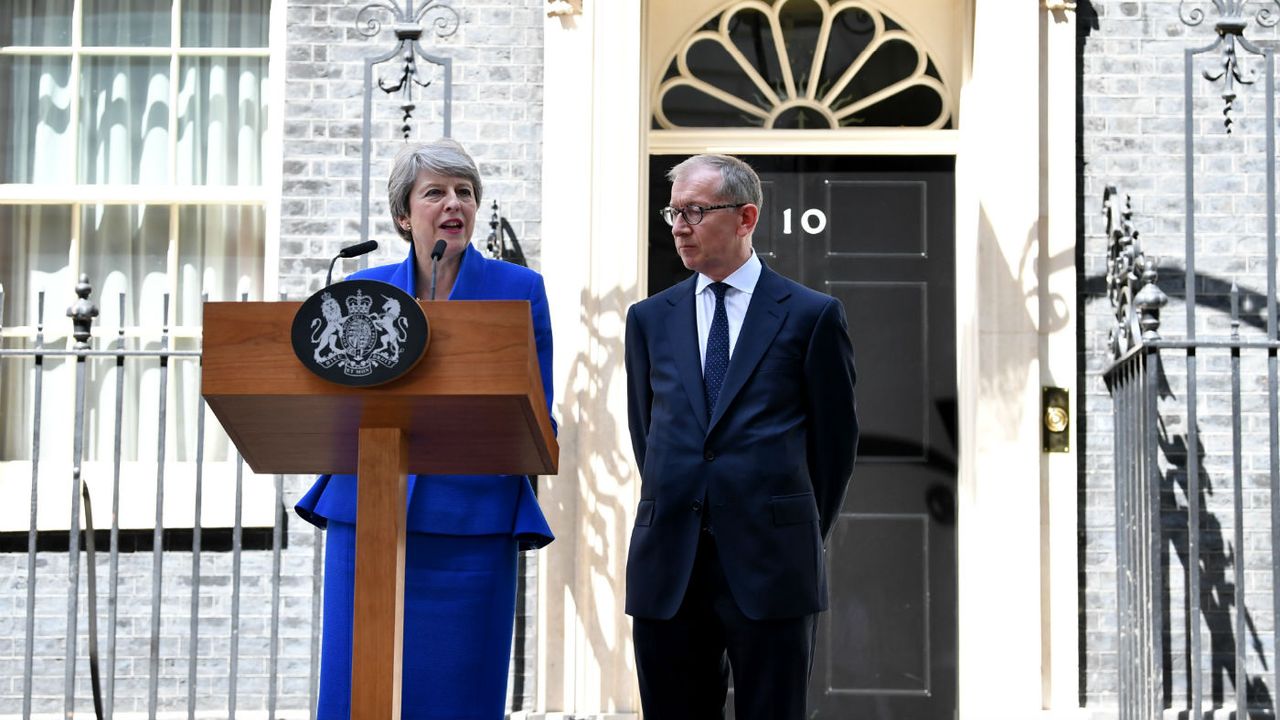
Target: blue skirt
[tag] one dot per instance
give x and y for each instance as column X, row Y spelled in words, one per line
column 459, row 606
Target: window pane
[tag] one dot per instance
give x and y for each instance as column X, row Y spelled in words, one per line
column 124, row 121
column 35, row 255
column 35, row 22
column 221, row 122
column 225, row 23
column 35, row 120
column 18, row 399
column 127, row 23
column 220, row 250
column 123, row 248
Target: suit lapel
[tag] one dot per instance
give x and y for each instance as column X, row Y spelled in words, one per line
column 764, row 318
column 405, row 274
column 469, row 285
column 682, row 334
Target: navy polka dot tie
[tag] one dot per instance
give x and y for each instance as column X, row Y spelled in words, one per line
column 717, row 362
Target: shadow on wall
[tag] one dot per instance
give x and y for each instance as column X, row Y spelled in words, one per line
column 1218, row 597
column 1086, row 24
column 598, row 461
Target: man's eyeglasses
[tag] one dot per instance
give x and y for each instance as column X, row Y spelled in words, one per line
column 692, row 214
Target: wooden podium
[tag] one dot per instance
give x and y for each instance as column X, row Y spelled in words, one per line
column 474, row 405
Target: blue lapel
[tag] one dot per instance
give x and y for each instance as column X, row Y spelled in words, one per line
column 682, row 334
column 467, row 286
column 405, row 275
column 470, row 281
column 764, row 318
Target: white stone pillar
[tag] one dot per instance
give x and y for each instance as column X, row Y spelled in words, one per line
column 591, row 259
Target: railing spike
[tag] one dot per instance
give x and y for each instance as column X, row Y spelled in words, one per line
column 82, row 312
column 1235, row 310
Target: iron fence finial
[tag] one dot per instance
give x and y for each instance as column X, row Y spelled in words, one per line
column 1136, row 300
column 82, row 312
column 1148, row 301
column 1230, row 26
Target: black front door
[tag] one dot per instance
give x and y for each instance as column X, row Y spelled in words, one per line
column 878, row 233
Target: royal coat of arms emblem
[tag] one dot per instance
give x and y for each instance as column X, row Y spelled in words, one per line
column 360, row 332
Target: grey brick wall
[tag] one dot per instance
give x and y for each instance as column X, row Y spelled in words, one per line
column 132, row 635
column 496, row 115
column 1131, row 135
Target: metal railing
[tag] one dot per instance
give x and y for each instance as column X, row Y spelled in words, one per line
column 1189, row 409
column 209, row 655
column 1166, row 529
column 103, row 670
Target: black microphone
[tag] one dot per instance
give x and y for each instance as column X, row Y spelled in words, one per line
column 350, row 251
column 437, row 252
column 358, row 249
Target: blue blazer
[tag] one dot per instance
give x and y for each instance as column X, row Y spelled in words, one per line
column 458, row 504
column 772, row 459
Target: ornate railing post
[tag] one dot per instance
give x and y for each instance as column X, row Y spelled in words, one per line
column 1131, row 276
column 1230, row 26
column 1133, row 380
column 408, row 27
column 82, row 312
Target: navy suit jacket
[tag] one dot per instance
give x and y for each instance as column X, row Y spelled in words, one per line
column 773, row 459
column 458, row 504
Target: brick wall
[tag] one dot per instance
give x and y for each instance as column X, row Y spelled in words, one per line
column 1131, row 135
column 133, row 629
column 496, row 115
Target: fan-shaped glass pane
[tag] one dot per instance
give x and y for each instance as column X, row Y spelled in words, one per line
column 852, row 32
column 716, row 67
column 690, row 107
column 912, row 107
column 801, row 22
column 752, row 33
column 870, row 71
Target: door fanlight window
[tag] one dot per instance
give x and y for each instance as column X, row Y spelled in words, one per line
column 801, row 64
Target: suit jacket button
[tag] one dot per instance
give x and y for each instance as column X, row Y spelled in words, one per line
column 697, row 506
column 708, row 456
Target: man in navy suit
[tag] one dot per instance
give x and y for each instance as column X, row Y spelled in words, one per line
column 742, row 417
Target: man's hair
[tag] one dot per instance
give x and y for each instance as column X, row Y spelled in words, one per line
column 738, row 181
column 444, row 157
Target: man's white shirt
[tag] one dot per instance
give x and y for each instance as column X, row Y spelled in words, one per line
column 742, row 283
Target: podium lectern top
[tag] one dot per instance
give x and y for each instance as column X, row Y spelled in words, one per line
column 473, row 405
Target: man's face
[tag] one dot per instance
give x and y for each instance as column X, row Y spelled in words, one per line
column 720, row 243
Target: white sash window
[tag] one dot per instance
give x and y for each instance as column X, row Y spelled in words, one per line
column 132, row 144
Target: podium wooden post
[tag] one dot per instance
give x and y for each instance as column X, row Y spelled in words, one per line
column 378, row 619
column 474, row 405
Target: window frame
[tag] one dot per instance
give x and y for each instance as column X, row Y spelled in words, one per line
column 78, row 196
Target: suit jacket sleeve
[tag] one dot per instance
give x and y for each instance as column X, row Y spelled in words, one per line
column 542, row 339
column 639, row 392
column 832, row 413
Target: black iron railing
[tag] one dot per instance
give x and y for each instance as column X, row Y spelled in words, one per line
column 163, row 667
column 1196, row 552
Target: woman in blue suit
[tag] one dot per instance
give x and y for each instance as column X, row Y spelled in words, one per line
column 463, row 531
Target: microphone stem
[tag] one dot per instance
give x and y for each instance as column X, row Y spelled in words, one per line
column 328, row 279
column 435, row 264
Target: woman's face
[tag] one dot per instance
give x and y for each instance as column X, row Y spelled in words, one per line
column 440, row 208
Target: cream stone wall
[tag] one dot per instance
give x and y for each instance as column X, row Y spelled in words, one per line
column 593, row 187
